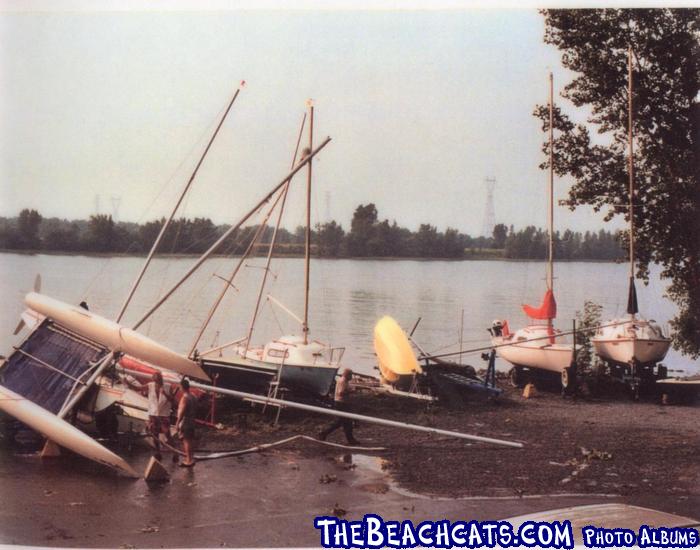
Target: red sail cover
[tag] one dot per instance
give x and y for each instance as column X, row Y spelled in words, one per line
column 548, row 309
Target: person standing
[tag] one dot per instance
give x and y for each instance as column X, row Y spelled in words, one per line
column 343, row 389
column 159, row 411
column 185, row 421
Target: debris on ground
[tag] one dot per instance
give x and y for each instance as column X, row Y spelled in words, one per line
column 328, row 478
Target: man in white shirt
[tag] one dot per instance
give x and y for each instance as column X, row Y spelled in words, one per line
column 159, row 409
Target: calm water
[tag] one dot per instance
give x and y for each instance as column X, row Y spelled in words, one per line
column 347, row 298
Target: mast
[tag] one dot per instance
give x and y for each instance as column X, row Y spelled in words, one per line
column 550, row 221
column 228, row 283
column 307, row 252
column 284, row 191
column 632, row 306
column 137, row 281
column 227, row 233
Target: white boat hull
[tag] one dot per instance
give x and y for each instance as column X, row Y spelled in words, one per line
column 531, row 347
column 59, row 431
column 628, row 350
column 112, row 335
column 631, row 340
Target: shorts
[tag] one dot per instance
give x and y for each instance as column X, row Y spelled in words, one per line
column 159, row 425
column 187, row 429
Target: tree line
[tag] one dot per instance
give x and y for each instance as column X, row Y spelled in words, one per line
column 368, row 237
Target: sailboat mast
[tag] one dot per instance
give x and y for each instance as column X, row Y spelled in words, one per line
column 632, row 307
column 271, row 248
column 146, row 263
column 630, row 140
column 227, row 233
column 228, row 283
column 550, row 260
column 307, row 252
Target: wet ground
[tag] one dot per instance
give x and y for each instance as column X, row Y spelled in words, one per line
column 645, row 454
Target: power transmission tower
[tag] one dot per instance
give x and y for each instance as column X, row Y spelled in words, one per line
column 116, row 201
column 489, row 211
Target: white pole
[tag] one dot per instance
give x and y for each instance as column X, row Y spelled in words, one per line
column 342, row 414
column 136, row 283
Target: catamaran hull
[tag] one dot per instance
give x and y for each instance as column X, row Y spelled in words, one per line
column 625, row 351
column 257, row 376
column 59, row 431
column 112, row 335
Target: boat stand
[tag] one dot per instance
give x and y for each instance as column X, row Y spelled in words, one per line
column 210, row 419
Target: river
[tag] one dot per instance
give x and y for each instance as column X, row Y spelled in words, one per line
column 347, row 298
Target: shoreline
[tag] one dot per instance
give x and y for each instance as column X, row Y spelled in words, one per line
column 466, row 258
column 585, row 451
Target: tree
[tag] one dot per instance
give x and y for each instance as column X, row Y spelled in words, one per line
column 428, row 241
column 101, row 234
column 330, row 238
column 666, row 76
column 65, row 239
column 362, row 229
column 500, row 233
column 453, row 243
column 28, row 225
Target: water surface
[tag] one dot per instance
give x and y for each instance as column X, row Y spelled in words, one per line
column 347, row 298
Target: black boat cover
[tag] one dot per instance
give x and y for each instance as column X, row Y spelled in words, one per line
column 70, row 356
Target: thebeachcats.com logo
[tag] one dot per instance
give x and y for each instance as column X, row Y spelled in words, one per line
column 374, row 532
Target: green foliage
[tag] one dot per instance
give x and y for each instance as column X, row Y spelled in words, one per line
column 329, row 239
column 28, row 229
column 666, row 78
column 531, row 243
column 363, row 231
column 588, row 319
column 500, row 233
column 370, row 238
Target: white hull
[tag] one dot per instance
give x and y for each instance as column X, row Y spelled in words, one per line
column 112, row 335
column 531, row 347
column 631, row 340
column 59, row 431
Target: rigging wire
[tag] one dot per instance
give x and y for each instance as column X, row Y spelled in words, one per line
column 133, row 244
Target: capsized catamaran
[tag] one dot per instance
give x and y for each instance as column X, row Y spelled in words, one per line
column 293, row 361
column 631, row 342
column 65, row 367
column 537, row 346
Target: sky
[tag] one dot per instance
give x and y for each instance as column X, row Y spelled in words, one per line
column 107, row 110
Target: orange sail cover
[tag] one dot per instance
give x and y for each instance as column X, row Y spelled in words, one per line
column 548, row 309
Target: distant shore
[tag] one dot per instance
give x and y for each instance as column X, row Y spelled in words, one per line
column 493, row 255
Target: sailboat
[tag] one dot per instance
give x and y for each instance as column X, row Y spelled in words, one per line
column 535, row 346
column 294, row 361
column 631, row 341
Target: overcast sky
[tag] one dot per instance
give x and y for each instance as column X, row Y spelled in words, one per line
column 422, row 106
